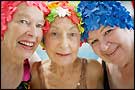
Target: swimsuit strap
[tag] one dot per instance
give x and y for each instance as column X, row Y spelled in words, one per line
column 25, row 83
column 106, row 82
column 82, row 82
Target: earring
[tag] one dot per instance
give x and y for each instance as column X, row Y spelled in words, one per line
column 43, row 48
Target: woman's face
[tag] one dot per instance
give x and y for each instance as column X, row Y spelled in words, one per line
column 111, row 44
column 24, row 31
column 62, row 41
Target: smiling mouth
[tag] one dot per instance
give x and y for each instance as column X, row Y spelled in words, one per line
column 60, row 54
column 26, row 45
column 112, row 53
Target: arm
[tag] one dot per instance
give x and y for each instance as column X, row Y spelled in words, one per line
column 94, row 75
column 35, row 81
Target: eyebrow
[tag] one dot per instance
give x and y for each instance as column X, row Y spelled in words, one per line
column 102, row 29
column 91, row 38
column 27, row 16
column 72, row 27
column 53, row 26
column 23, row 15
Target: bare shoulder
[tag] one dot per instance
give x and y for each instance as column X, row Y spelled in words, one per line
column 94, row 74
column 94, row 67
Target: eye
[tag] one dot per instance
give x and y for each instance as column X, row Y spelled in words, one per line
column 108, row 31
column 39, row 25
column 53, row 33
column 94, row 41
column 73, row 34
column 22, row 21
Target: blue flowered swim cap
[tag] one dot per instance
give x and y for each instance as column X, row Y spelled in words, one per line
column 106, row 13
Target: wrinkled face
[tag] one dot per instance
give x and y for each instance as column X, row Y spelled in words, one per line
column 62, row 41
column 111, row 44
column 24, row 31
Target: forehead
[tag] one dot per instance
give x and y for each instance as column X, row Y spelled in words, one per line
column 62, row 20
column 95, row 33
column 92, row 34
column 30, row 11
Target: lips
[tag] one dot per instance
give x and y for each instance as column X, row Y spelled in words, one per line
column 27, row 44
column 112, row 52
column 63, row 54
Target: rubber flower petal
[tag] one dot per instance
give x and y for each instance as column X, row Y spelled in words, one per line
column 106, row 13
column 52, row 15
column 81, row 28
column 62, row 9
column 53, row 5
column 62, row 12
column 8, row 8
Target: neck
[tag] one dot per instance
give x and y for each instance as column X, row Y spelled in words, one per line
column 63, row 70
column 121, row 77
column 11, row 69
column 124, row 67
column 124, row 70
column 8, row 59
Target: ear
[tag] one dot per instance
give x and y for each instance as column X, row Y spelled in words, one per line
column 2, row 38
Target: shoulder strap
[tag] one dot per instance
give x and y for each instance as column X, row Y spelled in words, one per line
column 106, row 82
column 82, row 81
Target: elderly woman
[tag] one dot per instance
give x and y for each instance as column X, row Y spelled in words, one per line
column 109, row 30
column 21, row 32
column 64, row 70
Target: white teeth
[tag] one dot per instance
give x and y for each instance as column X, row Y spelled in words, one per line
column 27, row 43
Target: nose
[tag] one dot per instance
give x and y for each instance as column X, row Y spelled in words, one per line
column 32, row 32
column 64, row 42
column 104, row 46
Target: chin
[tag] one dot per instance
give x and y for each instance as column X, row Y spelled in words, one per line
column 27, row 56
column 119, row 60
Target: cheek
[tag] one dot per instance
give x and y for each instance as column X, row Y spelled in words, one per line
column 96, row 49
column 75, row 43
column 121, row 41
column 11, row 35
column 10, row 40
column 15, row 31
column 75, row 48
column 40, row 35
column 118, row 37
column 50, row 44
